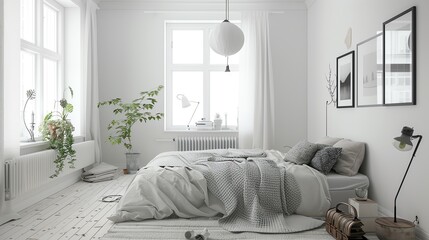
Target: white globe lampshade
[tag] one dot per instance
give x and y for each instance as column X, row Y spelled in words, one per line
column 226, row 39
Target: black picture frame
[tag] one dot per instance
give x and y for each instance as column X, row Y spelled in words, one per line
column 346, row 80
column 369, row 72
column 399, row 78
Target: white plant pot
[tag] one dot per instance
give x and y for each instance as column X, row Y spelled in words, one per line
column 132, row 162
column 217, row 124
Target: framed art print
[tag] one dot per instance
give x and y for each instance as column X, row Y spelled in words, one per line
column 400, row 59
column 345, row 80
column 369, row 72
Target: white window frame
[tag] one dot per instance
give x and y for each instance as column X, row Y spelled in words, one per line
column 205, row 67
column 43, row 53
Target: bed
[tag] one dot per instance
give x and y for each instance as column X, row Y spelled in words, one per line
column 341, row 187
column 201, row 183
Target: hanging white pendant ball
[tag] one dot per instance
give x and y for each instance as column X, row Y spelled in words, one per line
column 226, row 39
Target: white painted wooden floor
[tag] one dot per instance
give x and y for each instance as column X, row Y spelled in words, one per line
column 73, row 213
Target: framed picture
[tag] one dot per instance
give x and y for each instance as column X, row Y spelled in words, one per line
column 369, row 72
column 400, row 59
column 345, row 80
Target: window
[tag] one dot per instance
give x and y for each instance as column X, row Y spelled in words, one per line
column 42, row 58
column 194, row 70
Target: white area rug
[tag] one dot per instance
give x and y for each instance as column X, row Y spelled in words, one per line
column 176, row 228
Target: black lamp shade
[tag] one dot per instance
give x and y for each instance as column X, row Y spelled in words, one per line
column 403, row 143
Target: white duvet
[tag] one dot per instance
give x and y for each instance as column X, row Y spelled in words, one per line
column 169, row 187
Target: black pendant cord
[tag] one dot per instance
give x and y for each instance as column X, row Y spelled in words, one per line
column 406, row 172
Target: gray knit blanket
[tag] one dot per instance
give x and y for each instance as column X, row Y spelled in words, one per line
column 257, row 194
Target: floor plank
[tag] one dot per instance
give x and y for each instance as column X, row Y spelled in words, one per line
column 73, row 213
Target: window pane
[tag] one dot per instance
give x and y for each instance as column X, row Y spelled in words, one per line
column 28, row 20
column 50, row 27
column 224, row 96
column 188, row 46
column 189, row 84
column 50, row 87
column 28, row 82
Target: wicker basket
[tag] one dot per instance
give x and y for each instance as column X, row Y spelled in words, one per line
column 344, row 226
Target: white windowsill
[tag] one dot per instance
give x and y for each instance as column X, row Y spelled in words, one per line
column 37, row 146
column 201, row 131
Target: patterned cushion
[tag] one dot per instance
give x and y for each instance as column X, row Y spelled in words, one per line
column 302, row 152
column 325, row 159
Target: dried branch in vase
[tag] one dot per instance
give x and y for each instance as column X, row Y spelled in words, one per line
column 332, row 86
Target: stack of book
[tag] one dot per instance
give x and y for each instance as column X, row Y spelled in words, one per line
column 204, row 125
column 102, row 172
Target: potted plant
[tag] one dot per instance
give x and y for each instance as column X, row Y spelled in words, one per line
column 138, row 110
column 58, row 130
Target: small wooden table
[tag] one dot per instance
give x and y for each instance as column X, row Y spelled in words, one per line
column 387, row 229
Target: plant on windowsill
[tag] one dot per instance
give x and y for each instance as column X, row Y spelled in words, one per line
column 138, row 110
column 58, row 131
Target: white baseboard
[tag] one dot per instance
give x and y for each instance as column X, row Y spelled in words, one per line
column 420, row 233
column 31, row 197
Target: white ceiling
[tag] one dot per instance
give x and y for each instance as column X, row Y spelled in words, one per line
column 206, row 5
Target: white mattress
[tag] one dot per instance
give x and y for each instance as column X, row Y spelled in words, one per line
column 343, row 187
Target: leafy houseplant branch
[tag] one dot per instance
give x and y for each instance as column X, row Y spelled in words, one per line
column 58, row 130
column 138, row 110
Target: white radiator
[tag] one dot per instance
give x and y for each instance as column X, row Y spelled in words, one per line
column 204, row 143
column 30, row 171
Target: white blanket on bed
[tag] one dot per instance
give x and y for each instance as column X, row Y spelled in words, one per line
column 167, row 186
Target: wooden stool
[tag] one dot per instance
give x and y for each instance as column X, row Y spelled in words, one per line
column 387, row 229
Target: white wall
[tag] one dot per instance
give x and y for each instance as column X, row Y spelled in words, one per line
column 131, row 59
column 328, row 21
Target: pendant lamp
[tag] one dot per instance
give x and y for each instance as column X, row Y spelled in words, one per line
column 226, row 39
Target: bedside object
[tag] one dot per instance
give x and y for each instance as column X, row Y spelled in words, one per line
column 344, row 226
column 396, row 228
column 361, row 193
column 388, row 229
column 367, row 212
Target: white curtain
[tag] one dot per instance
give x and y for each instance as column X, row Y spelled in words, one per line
column 256, row 104
column 9, row 60
column 91, row 122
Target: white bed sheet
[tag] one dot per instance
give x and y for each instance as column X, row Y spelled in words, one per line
column 343, row 187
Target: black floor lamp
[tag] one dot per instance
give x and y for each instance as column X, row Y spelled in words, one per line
column 396, row 228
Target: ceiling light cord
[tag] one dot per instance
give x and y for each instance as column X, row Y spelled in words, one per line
column 227, row 9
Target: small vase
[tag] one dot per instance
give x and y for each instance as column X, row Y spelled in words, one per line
column 132, row 162
column 217, row 124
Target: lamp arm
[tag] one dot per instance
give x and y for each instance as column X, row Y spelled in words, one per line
column 198, row 103
column 406, row 172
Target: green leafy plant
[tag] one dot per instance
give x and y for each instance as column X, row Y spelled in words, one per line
column 58, row 131
column 138, row 110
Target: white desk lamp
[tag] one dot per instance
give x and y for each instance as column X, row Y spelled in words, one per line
column 186, row 103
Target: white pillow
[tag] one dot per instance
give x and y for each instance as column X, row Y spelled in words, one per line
column 329, row 140
column 351, row 157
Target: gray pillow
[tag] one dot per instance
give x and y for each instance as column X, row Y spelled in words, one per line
column 325, row 159
column 302, row 152
column 351, row 157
